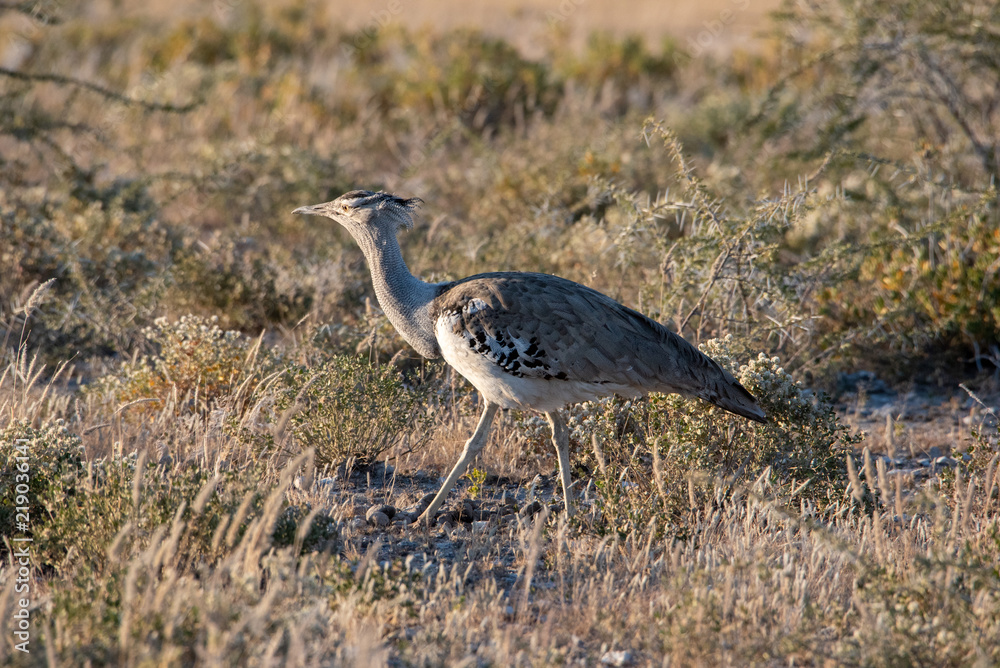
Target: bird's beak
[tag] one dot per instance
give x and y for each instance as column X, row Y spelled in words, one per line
column 307, row 210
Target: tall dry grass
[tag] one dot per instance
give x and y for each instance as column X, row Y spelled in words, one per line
column 179, row 512
column 200, row 548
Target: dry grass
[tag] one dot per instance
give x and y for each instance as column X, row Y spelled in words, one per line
column 792, row 204
column 894, row 571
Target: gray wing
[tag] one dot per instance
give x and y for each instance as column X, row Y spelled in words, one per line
column 543, row 326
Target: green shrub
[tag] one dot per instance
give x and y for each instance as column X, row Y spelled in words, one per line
column 243, row 282
column 110, row 255
column 481, row 81
column 321, row 535
column 935, row 286
column 347, row 407
column 82, row 521
column 51, row 459
column 197, row 364
column 621, row 72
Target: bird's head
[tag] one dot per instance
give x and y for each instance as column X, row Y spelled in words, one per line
column 363, row 210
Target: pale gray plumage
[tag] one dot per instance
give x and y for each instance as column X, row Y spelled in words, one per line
column 526, row 340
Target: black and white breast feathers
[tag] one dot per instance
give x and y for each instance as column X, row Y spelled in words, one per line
column 489, row 330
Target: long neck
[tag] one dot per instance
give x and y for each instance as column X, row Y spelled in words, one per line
column 404, row 298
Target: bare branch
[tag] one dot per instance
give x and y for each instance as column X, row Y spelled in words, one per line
column 100, row 90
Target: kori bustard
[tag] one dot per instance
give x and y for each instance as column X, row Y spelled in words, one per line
column 525, row 340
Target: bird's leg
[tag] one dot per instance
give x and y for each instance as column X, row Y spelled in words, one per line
column 560, row 439
column 472, row 448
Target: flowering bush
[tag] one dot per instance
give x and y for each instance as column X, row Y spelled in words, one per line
column 803, row 442
column 197, row 364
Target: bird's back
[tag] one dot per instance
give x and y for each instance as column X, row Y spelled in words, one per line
column 536, row 328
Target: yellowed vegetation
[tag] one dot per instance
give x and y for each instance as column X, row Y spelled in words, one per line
column 223, row 434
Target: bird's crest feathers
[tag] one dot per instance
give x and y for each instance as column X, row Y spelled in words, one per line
column 382, row 200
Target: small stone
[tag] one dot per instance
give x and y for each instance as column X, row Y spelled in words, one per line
column 448, row 517
column 467, row 512
column 531, row 509
column 422, row 504
column 358, row 523
column 480, row 526
column 376, row 517
column 945, row 462
column 903, row 472
column 389, row 511
column 619, row 658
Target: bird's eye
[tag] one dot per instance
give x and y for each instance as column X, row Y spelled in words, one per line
column 344, row 207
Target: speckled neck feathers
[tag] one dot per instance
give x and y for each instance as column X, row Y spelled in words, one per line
column 404, row 298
